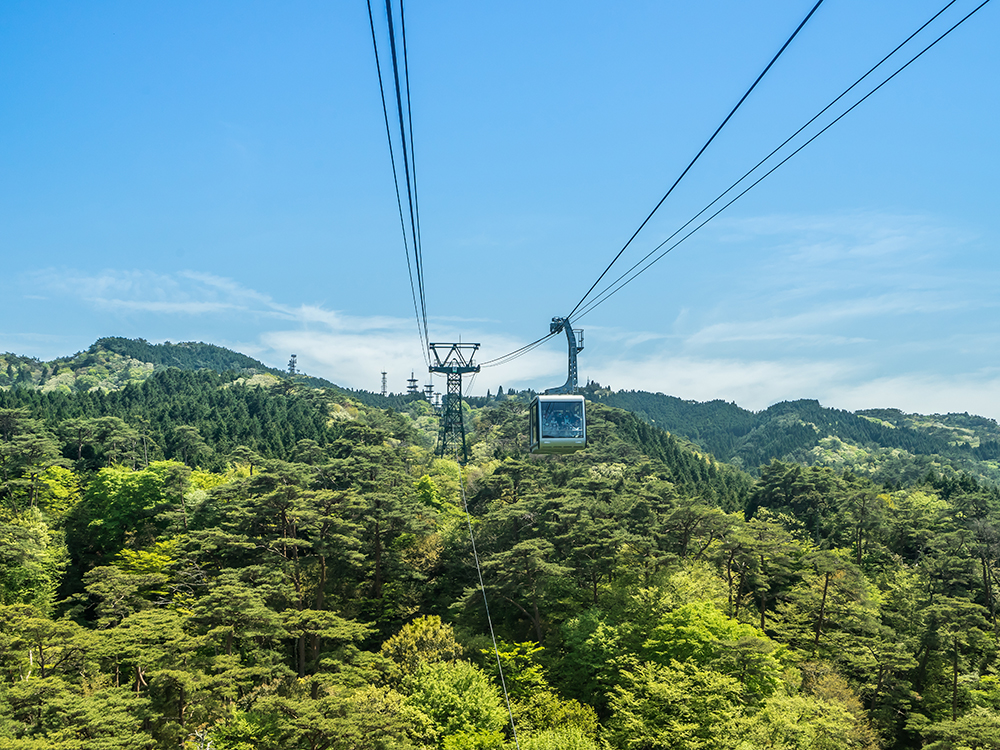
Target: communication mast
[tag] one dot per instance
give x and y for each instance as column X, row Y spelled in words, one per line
column 454, row 360
column 412, row 389
column 292, row 366
column 384, row 387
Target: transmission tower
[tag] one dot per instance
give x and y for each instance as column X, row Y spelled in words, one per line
column 384, row 389
column 454, row 360
column 412, row 389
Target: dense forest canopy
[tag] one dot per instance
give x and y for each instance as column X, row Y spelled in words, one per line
column 195, row 558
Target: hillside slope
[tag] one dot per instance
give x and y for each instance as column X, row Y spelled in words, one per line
column 111, row 363
column 886, row 444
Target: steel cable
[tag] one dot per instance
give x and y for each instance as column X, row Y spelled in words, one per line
column 618, row 284
column 697, row 156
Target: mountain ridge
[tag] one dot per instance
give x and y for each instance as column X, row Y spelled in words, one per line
column 885, row 443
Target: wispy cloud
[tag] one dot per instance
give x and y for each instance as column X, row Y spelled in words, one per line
column 824, row 322
column 873, row 237
column 184, row 293
column 350, row 350
column 194, row 293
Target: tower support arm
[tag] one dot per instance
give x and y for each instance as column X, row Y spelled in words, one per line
column 563, row 324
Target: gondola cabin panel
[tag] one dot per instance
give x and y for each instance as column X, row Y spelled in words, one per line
column 558, row 424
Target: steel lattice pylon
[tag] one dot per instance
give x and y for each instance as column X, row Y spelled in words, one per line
column 454, row 360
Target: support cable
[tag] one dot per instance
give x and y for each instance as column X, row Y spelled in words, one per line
column 616, row 286
column 773, row 152
column 511, row 356
column 421, row 331
column 486, row 604
column 697, row 156
column 418, row 247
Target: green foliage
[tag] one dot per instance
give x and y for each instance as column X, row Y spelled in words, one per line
column 246, row 730
column 798, row 722
column 425, row 640
column 595, row 660
column 698, row 633
column 671, row 707
column 118, row 508
column 979, row 730
column 427, row 493
column 190, row 558
column 459, row 699
column 561, row 738
column 32, row 559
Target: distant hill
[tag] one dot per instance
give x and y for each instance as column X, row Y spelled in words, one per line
column 886, row 444
column 184, row 356
column 111, row 363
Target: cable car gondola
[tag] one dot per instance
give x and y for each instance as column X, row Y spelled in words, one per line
column 558, row 423
column 558, row 418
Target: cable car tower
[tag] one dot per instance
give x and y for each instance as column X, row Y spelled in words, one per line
column 557, row 418
column 575, row 339
column 454, row 360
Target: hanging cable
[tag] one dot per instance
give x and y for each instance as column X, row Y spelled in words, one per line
column 774, row 151
column 697, row 156
column 409, row 164
column 419, row 244
column 411, row 235
column 486, row 604
column 504, row 359
column 421, row 330
column 616, row 286
column 511, row 356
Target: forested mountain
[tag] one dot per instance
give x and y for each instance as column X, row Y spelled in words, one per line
column 111, row 363
column 234, row 560
column 886, row 444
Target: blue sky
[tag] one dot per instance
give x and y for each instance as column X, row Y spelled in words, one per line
column 219, row 172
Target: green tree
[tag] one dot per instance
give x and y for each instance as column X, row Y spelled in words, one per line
column 189, row 444
column 425, row 640
column 32, row 559
column 457, row 697
column 671, row 707
column 699, row 634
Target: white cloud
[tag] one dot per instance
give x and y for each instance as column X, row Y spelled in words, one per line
column 868, row 236
column 756, row 384
column 753, row 384
column 355, row 357
column 812, row 325
column 925, row 393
